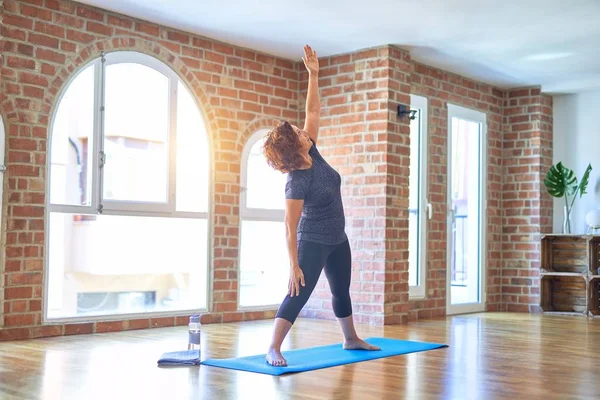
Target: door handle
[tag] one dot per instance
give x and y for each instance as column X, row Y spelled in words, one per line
column 429, row 210
column 452, row 213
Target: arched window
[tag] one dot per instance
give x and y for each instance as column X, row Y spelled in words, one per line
column 264, row 261
column 128, row 193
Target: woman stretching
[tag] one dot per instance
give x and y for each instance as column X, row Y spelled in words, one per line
column 314, row 219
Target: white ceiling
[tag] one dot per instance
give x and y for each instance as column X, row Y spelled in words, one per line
column 507, row 43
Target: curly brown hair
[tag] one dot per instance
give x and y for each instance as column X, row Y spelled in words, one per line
column 282, row 148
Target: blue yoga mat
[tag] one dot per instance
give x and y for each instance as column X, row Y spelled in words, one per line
column 300, row 360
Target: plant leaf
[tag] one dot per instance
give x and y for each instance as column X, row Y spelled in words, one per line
column 560, row 180
column 585, row 180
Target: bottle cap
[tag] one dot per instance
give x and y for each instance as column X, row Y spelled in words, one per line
column 195, row 318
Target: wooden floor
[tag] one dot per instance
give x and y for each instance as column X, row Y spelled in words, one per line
column 491, row 356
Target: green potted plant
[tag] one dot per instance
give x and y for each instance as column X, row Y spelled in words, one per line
column 560, row 182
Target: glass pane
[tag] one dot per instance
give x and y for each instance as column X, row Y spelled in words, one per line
column 72, row 143
column 193, row 164
column 265, row 186
column 263, row 280
column 414, row 202
column 136, row 131
column 466, row 203
column 110, row 264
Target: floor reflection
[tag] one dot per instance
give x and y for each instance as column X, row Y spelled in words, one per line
column 489, row 356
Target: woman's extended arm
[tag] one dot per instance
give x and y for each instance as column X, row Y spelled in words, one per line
column 313, row 104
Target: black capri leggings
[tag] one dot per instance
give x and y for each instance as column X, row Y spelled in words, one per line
column 312, row 257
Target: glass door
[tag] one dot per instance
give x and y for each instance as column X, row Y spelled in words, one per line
column 465, row 282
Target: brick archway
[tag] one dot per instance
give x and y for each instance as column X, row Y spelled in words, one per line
column 252, row 127
column 7, row 108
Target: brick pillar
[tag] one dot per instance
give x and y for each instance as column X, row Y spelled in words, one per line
column 225, row 243
column 397, row 163
column 364, row 140
column 527, row 206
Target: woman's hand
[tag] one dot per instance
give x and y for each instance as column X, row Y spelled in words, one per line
column 296, row 279
column 310, row 60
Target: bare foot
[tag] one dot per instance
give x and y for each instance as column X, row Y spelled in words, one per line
column 275, row 358
column 358, row 344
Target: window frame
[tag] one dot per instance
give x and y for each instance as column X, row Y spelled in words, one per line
column 479, row 117
column 2, row 171
column 100, row 206
column 2, row 164
column 169, row 207
column 419, row 291
column 69, row 208
column 252, row 214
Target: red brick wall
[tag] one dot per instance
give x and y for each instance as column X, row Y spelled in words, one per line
column 440, row 88
column 527, row 205
column 240, row 91
column 46, row 41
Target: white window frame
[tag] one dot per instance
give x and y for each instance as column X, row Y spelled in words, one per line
column 68, row 208
column 120, row 207
column 2, row 165
column 136, row 206
column 419, row 291
column 480, row 118
column 100, row 206
column 2, row 170
column 252, row 214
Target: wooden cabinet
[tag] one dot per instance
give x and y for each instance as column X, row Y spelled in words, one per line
column 569, row 276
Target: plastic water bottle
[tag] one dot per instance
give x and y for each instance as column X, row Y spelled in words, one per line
column 194, row 333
